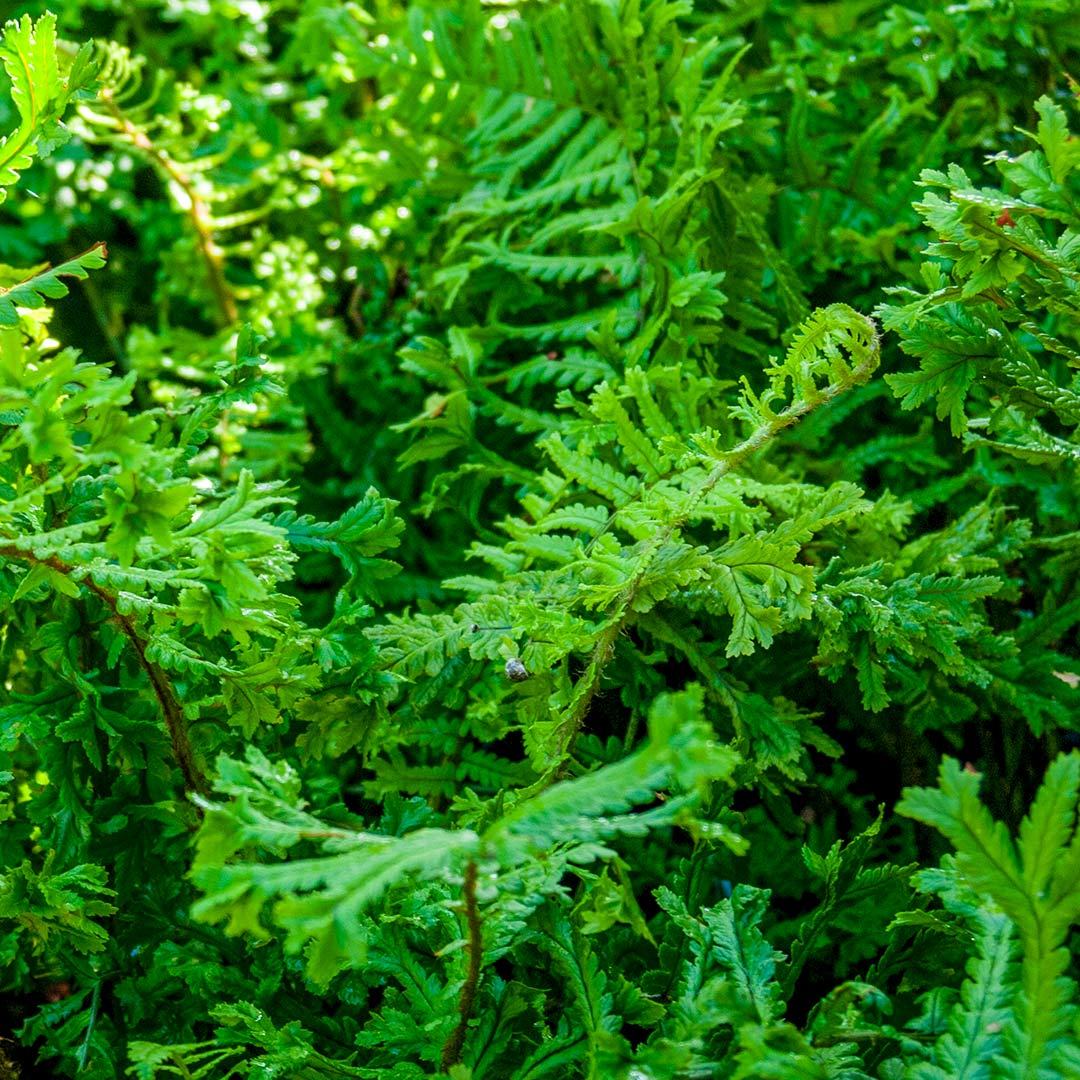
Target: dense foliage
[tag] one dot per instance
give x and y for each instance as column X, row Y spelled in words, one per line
column 527, row 513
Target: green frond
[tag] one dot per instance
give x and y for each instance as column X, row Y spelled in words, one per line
column 365, row 530
column 578, row 369
column 605, row 179
column 844, row 883
column 46, row 284
column 835, row 346
column 560, row 269
column 638, row 445
column 650, row 574
column 356, row 869
column 571, row 328
column 421, row 644
column 1035, row 880
column 150, row 1060
column 738, row 947
column 40, row 91
column 580, row 810
column 577, row 518
column 577, row 223
column 590, row 472
column 758, row 584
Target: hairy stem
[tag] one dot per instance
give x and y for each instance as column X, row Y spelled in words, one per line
column 451, row 1052
column 197, row 211
column 182, row 750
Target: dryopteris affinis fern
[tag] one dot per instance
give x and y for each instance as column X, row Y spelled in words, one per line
column 657, row 363
column 997, row 348
column 652, row 511
column 1018, row 1014
column 597, row 257
column 102, row 519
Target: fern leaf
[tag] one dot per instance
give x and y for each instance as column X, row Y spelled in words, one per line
column 637, row 444
column 845, row 882
column 34, row 291
column 576, row 222
column 578, row 810
column 363, row 867
column 640, row 384
column 572, row 327
column 578, row 186
column 421, row 644
column 575, row 960
column 575, row 368
column 1046, row 832
column 576, row 518
column 835, row 346
column 751, row 577
column 29, row 55
column 361, row 533
column 651, row 573
column 740, row 948
column 590, row 472
column 1036, row 883
column 553, row 1058
column 987, row 855
column 560, row 269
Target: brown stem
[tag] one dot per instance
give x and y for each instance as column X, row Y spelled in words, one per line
column 182, row 751
column 451, row 1052
column 199, row 212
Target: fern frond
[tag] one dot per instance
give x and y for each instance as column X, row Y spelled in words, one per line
column 578, row 186
column 590, row 472
column 650, row 573
column 29, row 54
column 739, row 948
column 361, row 533
column 323, row 897
column 1036, row 882
column 758, row 583
column 836, row 346
column 576, row 518
column 579, row 810
column 845, row 882
column 576, row 223
column 571, row 328
column 575, row 368
column 46, row 284
column 638, row 445
column 560, row 269
column 421, row 644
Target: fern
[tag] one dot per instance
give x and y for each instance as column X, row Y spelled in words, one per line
column 968, row 1039
column 40, row 91
column 1033, row 880
column 993, row 251
column 847, row 883
column 357, row 868
column 752, row 579
column 579, row 285
column 33, row 292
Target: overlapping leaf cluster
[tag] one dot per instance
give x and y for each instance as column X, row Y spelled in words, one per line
column 587, row 780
